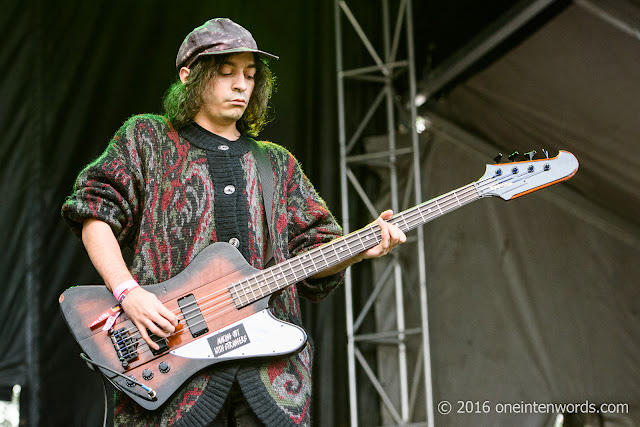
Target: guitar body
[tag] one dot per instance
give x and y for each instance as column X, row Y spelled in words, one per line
column 200, row 293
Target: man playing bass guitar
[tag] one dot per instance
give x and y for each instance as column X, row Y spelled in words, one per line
column 169, row 186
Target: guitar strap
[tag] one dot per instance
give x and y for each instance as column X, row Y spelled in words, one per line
column 265, row 173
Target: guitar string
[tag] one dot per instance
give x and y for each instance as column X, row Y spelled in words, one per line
column 204, row 309
column 347, row 241
column 446, row 202
column 413, row 216
column 218, row 303
column 215, row 296
column 225, row 307
column 460, row 194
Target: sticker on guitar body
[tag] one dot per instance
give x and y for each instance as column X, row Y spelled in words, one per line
column 229, row 340
column 233, row 342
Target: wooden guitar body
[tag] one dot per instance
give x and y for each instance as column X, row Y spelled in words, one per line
column 222, row 331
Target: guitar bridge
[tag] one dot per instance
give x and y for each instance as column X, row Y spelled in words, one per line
column 125, row 345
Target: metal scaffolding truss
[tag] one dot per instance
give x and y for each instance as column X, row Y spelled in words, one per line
column 398, row 398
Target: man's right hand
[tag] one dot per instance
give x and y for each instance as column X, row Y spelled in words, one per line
column 147, row 313
column 143, row 308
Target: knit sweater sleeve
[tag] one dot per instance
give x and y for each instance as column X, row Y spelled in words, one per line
column 108, row 189
column 310, row 224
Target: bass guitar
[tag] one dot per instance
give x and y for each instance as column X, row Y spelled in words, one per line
column 222, row 302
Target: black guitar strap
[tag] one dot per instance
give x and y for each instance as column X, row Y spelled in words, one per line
column 265, row 172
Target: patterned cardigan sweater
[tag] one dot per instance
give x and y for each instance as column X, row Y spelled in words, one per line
column 167, row 196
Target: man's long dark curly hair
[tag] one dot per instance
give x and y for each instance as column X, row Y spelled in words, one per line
column 182, row 101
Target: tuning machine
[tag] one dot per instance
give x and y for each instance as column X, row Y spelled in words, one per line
column 513, row 156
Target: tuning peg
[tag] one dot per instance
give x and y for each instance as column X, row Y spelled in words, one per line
column 513, row 156
column 546, row 153
column 530, row 154
column 498, row 158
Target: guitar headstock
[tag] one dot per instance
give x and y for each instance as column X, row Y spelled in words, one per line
column 515, row 179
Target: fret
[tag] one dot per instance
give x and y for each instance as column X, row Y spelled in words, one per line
column 270, row 283
column 421, row 216
column 277, row 277
column 259, row 280
column 285, row 278
column 252, row 288
column 255, row 287
column 417, row 218
column 300, row 260
column 244, row 291
column 334, row 255
column 361, row 241
column 281, row 278
column 238, row 289
column 443, row 202
column 234, row 294
column 457, row 200
column 326, row 263
column 273, row 279
column 438, row 206
column 374, row 235
column 293, row 273
column 315, row 268
column 307, row 265
column 349, row 249
column 335, row 250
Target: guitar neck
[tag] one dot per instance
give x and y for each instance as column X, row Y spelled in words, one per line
column 294, row 270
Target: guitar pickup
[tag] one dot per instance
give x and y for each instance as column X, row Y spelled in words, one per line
column 192, row 314
column 162, row 343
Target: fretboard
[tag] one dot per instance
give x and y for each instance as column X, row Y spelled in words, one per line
column 294, row 270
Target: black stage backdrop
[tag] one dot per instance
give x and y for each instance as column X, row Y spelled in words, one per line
column 73, row 72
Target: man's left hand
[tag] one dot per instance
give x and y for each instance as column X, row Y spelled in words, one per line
column 390, row 234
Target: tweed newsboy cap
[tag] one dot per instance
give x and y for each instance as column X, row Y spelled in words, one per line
column 216, row 36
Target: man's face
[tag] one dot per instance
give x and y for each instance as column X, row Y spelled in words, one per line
column 228, row 94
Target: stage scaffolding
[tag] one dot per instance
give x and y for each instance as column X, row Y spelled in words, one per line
column 399, row 398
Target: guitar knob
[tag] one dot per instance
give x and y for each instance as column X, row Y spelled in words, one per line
column 498, row 158
column 513, row 156
column 147, row 374
column 546, row 153
column 530, row 154
column 164, row 367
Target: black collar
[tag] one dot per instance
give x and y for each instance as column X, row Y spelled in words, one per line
column 202, row 138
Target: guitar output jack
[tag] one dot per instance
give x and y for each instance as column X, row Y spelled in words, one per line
column 131, row 383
